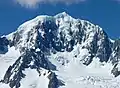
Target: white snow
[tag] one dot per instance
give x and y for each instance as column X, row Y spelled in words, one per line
column 4, row 85
column 37, row 50
column 8, row 59
column 112, row 40
column 76, row 75
column 33, row 80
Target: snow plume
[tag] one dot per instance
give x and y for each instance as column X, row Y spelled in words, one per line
column 35, row 3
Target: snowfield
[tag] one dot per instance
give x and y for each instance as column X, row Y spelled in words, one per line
column 8, row 59
column 76, row 75
column 72, row 73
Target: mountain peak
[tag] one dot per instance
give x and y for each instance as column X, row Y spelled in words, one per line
column 63, row 14
column 47, row 44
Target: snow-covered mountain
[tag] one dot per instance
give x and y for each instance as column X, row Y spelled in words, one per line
column 59, row 52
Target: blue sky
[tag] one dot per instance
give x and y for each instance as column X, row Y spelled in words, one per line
column 105, row 13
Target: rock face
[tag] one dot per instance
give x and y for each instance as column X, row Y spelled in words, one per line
column 37, row 39
column 3, row 45
column 115, row 57
column 116, row 52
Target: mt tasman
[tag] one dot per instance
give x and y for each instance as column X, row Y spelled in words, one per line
column 59, row 52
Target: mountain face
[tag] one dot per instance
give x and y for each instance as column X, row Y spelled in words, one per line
column 115, row 57
column 54, row 51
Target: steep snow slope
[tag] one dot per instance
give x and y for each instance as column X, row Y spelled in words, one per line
column 58, row 51
column 8, row 59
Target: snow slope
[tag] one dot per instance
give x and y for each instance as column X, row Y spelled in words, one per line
column 76, row 75
column 7, row 59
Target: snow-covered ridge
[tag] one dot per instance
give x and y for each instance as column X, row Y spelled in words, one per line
column 62, row 51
